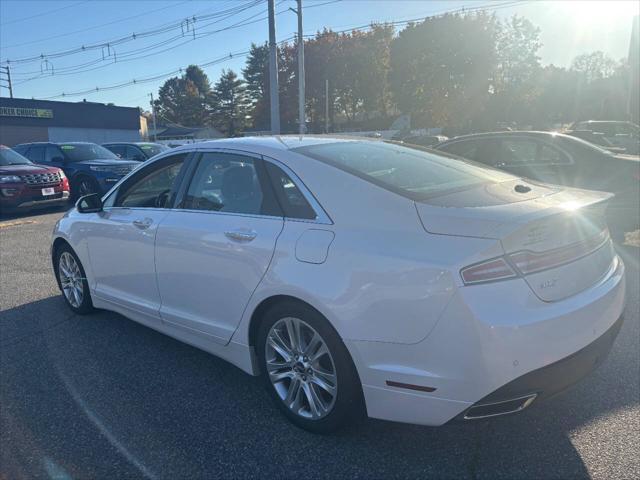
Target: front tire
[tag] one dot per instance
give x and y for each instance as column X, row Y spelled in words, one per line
column 84, row 186
column 307, row 370
column 72, row 280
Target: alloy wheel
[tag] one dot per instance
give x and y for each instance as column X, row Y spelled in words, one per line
column 301, row 368
column 86, row 187
column 71, row 279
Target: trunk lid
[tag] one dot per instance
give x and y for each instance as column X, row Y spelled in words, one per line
column 554, row 237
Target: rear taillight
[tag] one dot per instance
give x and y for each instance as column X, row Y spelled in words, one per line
column 526, row 262
column 530, row 262
column 489, row 271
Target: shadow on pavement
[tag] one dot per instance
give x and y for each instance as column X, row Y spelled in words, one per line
column 103, row 397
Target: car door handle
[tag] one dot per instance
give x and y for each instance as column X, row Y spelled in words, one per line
column 241, row 236
column 143, row 224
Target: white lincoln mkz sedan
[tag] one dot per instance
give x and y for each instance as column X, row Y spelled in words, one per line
column 355, row 276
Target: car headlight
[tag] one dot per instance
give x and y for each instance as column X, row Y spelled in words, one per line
column 62, row 175
column 10, row 179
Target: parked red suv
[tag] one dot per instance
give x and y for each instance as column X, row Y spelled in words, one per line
column 25, row 185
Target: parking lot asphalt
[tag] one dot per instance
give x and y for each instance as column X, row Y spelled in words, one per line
column 104, row 397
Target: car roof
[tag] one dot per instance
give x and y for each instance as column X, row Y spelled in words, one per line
column 57, row 143
column 508, row 133
column 131, row 143
column 277, row 142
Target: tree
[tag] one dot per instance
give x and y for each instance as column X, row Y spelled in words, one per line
column 513, row 86
column 186, row 100
column 230, row 103
column 440, row 69
column 256, row 76
column 594, row 66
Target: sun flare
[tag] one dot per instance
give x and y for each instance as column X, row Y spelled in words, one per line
column 592, row 11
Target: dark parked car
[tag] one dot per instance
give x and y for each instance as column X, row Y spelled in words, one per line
column 25, row 185
column 89, row 167
column 138, row 151
column 616, row 133
column 556, row 158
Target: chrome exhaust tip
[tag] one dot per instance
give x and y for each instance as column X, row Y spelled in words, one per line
column 503, row 407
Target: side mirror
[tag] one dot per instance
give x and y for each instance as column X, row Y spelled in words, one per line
column 91, row 203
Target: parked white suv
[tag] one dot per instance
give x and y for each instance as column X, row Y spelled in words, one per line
column 355, row 275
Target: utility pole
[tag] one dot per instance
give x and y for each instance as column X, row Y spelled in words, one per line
column 7, row 72
column 326, row 106
column 153, row 116
column 273, row 71
column 301, row 112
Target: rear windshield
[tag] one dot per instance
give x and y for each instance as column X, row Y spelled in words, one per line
column 77, row 152
column 151, row 149
column 9, row 157
column 414, row 173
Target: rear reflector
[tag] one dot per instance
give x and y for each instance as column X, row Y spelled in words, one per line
column 409, row 386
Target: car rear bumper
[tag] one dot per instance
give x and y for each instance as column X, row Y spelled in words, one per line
column 493, row 342
column 546, row 381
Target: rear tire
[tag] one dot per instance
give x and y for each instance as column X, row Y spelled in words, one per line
column 72, row 280
column 313, row 382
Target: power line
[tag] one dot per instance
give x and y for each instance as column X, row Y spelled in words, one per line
column 41, row 14
column 486, row 7
column 186, row 25
column 94, row 27
column 152, row 78
column 131, row 55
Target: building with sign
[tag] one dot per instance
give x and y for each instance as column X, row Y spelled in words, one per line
column 23, row 120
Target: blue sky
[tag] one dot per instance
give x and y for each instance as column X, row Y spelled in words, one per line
column 30, row 28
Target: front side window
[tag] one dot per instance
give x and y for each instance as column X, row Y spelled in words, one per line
column 134, row 153
column 413, row 173
column 118, row 150
column 52, row 154
column 152, row 149
column 228, row 183
column 153, row 186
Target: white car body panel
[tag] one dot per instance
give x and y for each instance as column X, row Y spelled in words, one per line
column 384, row 271
column 193, row 251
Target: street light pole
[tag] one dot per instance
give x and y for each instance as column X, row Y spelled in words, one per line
column 273, row 71
column 153, row 116
column 301, row 105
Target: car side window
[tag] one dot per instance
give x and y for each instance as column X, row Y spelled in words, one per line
column 462, row 149
column 289, row 196
column 153, row 186
column 517, row 152
column 229, row 183
column 36, row 154
column 134, row 153
column 53, row 154
column 551, row 156
column 118, row 150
